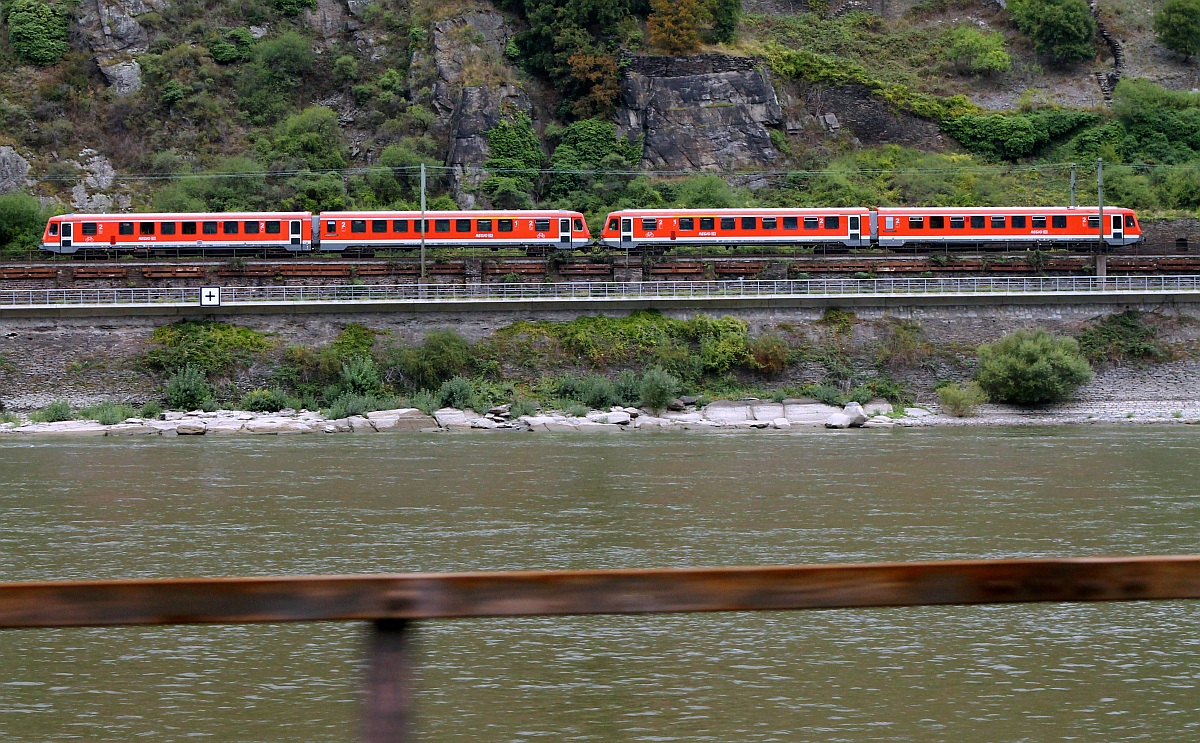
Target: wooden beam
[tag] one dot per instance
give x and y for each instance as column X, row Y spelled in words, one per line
column 495, row 594
column 388, row 707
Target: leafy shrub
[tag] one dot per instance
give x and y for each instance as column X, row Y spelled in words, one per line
column 425, row 401
column 22, row 219
column 59, row 410
column 264, row 401
column 443, row 354
column 629, row 389
column 37, row 31
column 770, row 354
column 576, row 410
column 598, row 393
column 522, row 407
column 1031, row 368
column 976, row 52
column 961, row 400
column 151, row 410
column 1016, row 135
column 1121, row 337
column 658, row 388
column 348, row 405
column 455, row 392
column 360, row 376
column 823, row 393
column 108, row 413
column 1061, row 29
column 212, row 348
column 188, row 389
column 1177, row 25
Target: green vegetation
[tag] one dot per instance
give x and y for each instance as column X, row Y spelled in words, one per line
column 976, row 52
column 1032, row 368
column 188, row 389
column 1121, row 337
column 659, row 387
column 59, row 410
column 1060, row 29
column 209, row 348
column 961, row 400
column 265, row 401
column 22, row 221
column 36, row 31
column 1177, row 24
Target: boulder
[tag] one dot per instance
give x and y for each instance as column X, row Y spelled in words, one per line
column 191, row 428
column 14, row 170
column 877, row 406
column 401, row 419
column 223, row 426
column 360, row 424
column 838, row 420
column 855, row 413
column 616, row 417
column 453, row 418
column 267, row 426
column 781, row 423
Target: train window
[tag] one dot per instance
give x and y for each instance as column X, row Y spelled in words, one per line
column 1094, row 222
column 832, row 223
column 957, row 223
column 541, row 225
column 998, row 222
column 770, row 223
column 358, row 225
column 728, row 223
column 1039, row 223
column 145, row 228
column 126, row 228
column 230, row 228
column 330, row 227
column 441, row 225
column 399, row 225
column 649, row 223
column 937, row 223
column 791, row 223
column 208, row 228
column 188, row 228
column 977, row 222
column 54, row 228
column 485, row 225
column 1129, row 223
column 1058, row 221
column 89, row 228
column 614, row 225
column 916, row 223
column 504, row 225
column 462, row 225
column 251, row 226
column 379, row 225
column 578, row 225
column 708, row 223
column 749, row 223
column 272, row 226
column 811, row 223
column 1018, row 221
column 687, row 223
column 168, row 228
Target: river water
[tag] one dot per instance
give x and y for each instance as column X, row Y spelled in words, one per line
column 113, row 508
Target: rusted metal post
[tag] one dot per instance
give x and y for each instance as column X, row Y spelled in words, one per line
column 388, row 708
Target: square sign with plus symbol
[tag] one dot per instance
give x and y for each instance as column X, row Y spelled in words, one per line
column 210, row 296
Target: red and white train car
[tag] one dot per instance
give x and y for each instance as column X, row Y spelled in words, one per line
column 531, row 229
column 68, row 233
column 660, row 229
column 935, row 226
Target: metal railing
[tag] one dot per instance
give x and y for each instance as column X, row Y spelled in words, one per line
column 606, row 290
column 392, row 602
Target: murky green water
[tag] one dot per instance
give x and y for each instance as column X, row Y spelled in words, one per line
column 101, row 508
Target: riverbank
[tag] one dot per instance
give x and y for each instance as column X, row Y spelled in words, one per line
column 719, row 415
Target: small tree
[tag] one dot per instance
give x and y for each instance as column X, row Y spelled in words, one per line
column 1060, row 29
column 1177, row 24
column 674, row 25
column 726, row 15
column 977, row 53
column 37, row 32
column 1032, row 368
column 659, row 388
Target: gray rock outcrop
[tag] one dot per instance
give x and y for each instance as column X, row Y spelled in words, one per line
column 116, row 38
column 707, row 112
column 14, row 170
column 853, row 109
column 479, row 109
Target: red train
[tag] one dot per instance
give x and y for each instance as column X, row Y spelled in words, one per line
column 887, row 227
column 535, row 230
column 653, row 230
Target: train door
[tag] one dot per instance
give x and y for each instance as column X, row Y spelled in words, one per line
column 294, row 230
column 1116, row 228
column 564, row 233
column 626, row 232
column 65, row 237
column 855, row 230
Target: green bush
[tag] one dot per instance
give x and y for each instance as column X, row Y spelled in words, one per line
column 1121, row 337
column 22, row 220
column 264, row 401
column 444, row 354
column 961, row 400
column 521, row 407
column 348, row 405
column 771, row 354
column 212, row 348
column 425, row 401
column 455, row 392
column 151, row 410
column 188, row 389
column 1032, row 368
column 658, row 388
column 108, row 413
column 629, row 389
column 977, row 53
column 1060, row 29
column 598, row 393
column 360, row 376
column 1177, row 24
column 37, row 31
column 59, row 410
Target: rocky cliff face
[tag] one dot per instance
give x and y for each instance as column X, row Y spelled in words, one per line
column 851, row 109
column 116, row 38
column 707, row 112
